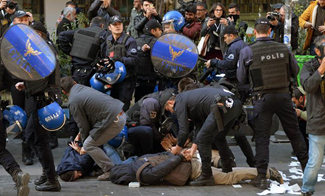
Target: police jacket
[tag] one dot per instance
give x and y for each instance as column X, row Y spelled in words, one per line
column 156, row 103
column 311, row 81
column 64, row 25
column 228, row 65
column 65, row 43
column 92, row 110
column 95, row 9
column 125, row 52
column 145, row 69
column 279, row 32
column 140, row 21
column 215, row 40
column 246, row 59
column 195, row 105
column 73, row 161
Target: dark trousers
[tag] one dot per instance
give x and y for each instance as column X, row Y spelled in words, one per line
column 124, row 91
column 39, row 137
column 245, row 147
column 209, row 134
column 281, row 105
column 142, row 139
column 143, row 87
column 6, row 159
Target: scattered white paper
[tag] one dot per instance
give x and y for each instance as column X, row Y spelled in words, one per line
column 294, row 164
column 237, row 186
column 295, row 188
column 276, row 188
column 295, row 158
column 295, row 177
column 294, row 170
column 320, row 178
column 265, row 192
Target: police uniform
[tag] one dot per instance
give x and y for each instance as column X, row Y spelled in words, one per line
column 211, row 123
column 34, row 133
column 83, row 45
column 148, row 112
column 124, row 49
column 146, row 76
column 228, row 65
column 267, row 66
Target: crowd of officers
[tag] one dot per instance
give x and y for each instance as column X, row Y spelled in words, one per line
column 264, row 72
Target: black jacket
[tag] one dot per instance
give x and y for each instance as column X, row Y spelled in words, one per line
column 140, row 21
column 279, row 32
column 64, row 25
column 126, row 173
column 195, row 105
column 95, row 9
column 145, row 69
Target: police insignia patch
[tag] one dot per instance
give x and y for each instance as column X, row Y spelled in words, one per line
column 153, row 114
column 231, row 56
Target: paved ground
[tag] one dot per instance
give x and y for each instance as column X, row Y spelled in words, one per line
column 280, row 158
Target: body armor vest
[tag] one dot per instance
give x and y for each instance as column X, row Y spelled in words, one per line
column 269, row 69
column 86, row 43
column 118, row 49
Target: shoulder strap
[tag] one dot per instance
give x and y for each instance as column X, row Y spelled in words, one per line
column 125, row 39
column 139, row 171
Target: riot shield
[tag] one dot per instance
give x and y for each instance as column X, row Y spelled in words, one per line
column 25, row 54
column 174, row 55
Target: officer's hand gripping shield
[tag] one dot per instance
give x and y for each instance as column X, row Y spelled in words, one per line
column 25, row 54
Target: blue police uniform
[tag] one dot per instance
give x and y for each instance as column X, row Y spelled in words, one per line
column 228, row 65
column 271, row 98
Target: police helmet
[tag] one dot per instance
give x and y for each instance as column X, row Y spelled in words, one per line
column 175, row 18
column 51, row 117
column 117, row 140
column 114, row 77
column 16, row 117
column 96, row 84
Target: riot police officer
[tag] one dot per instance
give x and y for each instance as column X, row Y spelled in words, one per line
column 213, row 112
column 268, row 66
column 146, row 76
column 34, row 133
column 121, row 47
column 83, row 45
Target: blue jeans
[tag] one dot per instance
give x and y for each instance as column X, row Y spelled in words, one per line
column 316, row 153
column 115, row 157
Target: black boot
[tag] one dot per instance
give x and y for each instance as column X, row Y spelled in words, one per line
column 227, row 165
column 49, row 185
column 21, row 180
column 27, row 154
column 42, row 179
column 260, row 182
column 203, row 181
column 206, row 178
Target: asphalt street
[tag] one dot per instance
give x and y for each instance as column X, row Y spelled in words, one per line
column 280, row 157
